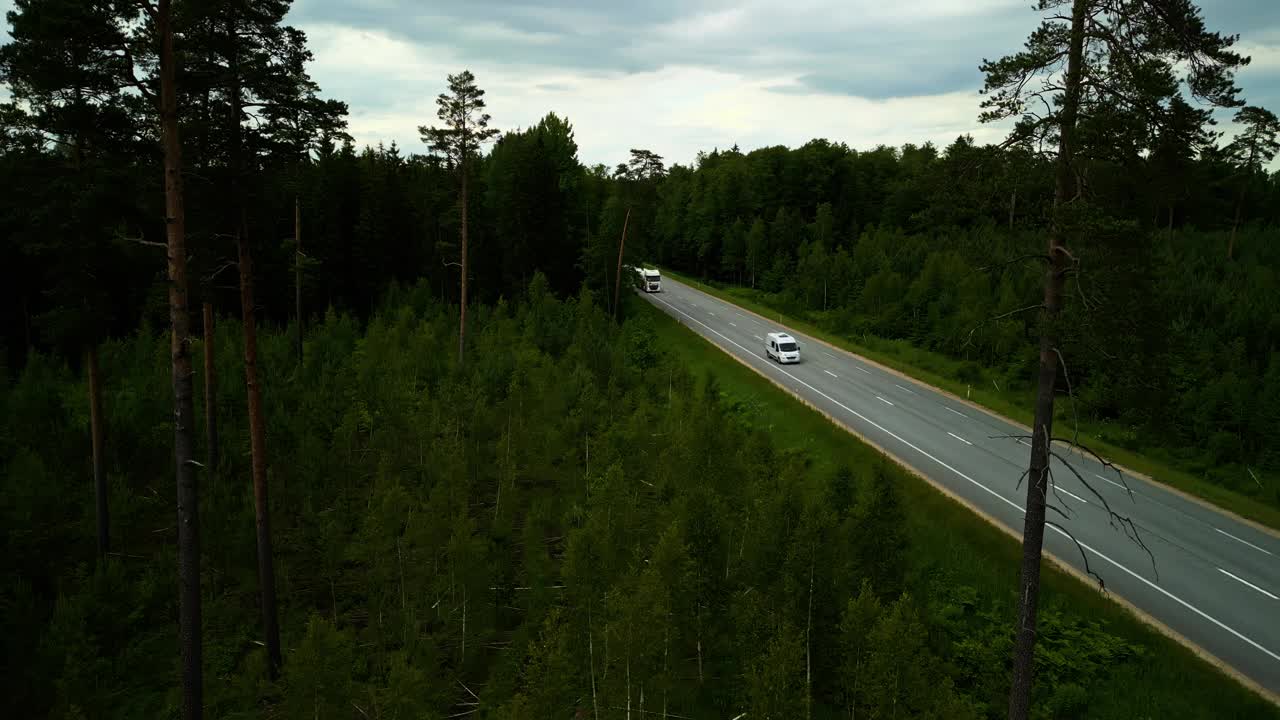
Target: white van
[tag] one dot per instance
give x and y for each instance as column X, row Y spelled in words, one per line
column 781, row 347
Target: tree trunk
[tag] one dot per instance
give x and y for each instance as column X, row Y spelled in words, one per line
column 1013, row 205
column 462, row 313
column 99, row 461
column 808, row 646
column 1231, row 244
column 1037, row 486
column 257, row 425
column 258, row 450
column 210, row 394
column 617, row 280
column 297, row 271
column 180, row 354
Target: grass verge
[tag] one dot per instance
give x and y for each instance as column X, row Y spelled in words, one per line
column 1002, row 402
column 1167, row 680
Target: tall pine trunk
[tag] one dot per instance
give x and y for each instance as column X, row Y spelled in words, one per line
column 1042, row 428
column 210, row 394
column 617, row 281
column 462, row 311
column 99, row 461
column 297, row 271
column 257, row 425
column 258, row 450
column 180, row 354
column 1235, row 224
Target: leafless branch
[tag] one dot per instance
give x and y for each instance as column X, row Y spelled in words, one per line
column 1106, row 464
column 969, row 340
column 1114, row 519
column 141, row 241
column 1020, row 258
column 1070, row 393
column 1088, row 570
column 1053, row 488
column 221, row 268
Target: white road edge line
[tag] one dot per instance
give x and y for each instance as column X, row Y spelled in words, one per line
column 913, row 392
column 966, row 442
column 1061, row 489
column 1024, row 442
column 957, row 412
column 833, row 357
column 1246, row 542
column 1113, row 482
column 993, row 493
column 831, row 373
column 1246, row 582
column 864, row 370
column 886, row 402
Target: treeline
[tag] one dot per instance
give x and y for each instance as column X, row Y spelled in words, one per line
column 572, row 525
column 1173, row 342
column 267, row 166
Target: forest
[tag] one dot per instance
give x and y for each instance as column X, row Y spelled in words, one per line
column 568, row 521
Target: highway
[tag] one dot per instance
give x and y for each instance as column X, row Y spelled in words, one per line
column 1215, row 581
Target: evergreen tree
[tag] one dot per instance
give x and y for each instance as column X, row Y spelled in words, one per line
column 1129, row 68
column 466, row 128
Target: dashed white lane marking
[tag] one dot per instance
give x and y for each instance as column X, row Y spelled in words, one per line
column 1122, row 487
column 913, row 392
column 1068, row 492
column 966, row 442
column 833, row 357
column 757, row 337
column 864, row 370
column 1246, row 582
column 957, row 412
column 886, row 402
column 1216, row 622
column 734, row 324
column 1024, row 442
column 1246, row 542
column 831, row 373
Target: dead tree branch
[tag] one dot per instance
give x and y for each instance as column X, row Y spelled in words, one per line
column 969, row 340
column 1088, row 570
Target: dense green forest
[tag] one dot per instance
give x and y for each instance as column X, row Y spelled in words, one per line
column 570, row 524
column 1176, row 349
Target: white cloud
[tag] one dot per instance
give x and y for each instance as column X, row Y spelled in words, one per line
column 676, row 111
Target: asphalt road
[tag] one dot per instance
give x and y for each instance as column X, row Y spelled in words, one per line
column 1215, row 580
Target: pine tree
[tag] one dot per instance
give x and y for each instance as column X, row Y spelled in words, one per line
column 466, row 128
column 189, row 624
column 1089, row 97
column 1250, row 151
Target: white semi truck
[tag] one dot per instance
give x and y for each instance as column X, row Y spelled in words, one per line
column 649, row 279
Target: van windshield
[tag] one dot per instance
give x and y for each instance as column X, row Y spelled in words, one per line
column 787, row 347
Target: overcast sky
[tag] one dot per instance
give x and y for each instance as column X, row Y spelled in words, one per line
column 679, row 76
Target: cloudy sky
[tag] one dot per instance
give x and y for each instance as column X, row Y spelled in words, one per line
column 679, row 76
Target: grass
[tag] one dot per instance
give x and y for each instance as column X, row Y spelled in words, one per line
column 1168, row 680
column 940, row 371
